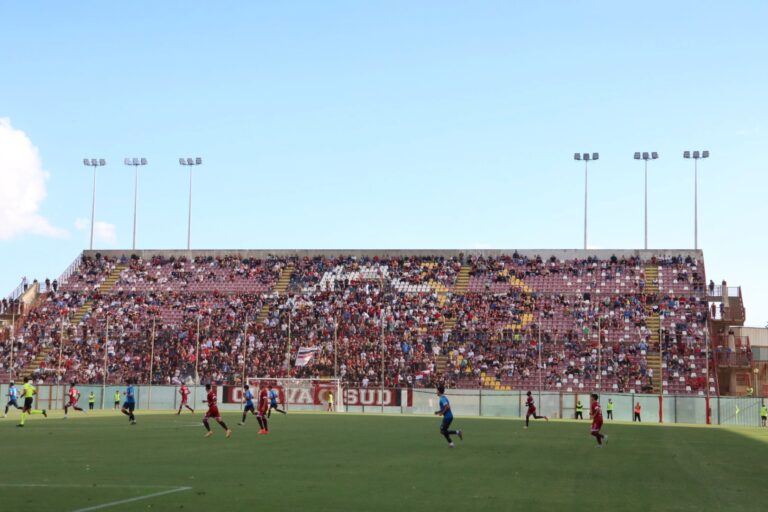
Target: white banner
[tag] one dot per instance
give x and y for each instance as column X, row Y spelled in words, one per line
column 305, row 355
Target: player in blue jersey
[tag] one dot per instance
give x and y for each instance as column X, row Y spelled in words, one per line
column 249, row 405
column 445, row 412
column 130, row 403
column 273, row 401
column 13, row 397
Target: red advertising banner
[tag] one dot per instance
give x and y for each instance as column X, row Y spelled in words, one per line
column 318, row 394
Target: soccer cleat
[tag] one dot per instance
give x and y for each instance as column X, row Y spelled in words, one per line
column 19, row 425
column 546, row 418
column 605, row 439
column 266, row 432
column 45, row 413
column 599, row 446
column 229, row 433
column 209, row 433
column 262, row 432
column 65, row 417
column 241, row 423
column 133, row 422
column 461, row 436
column 451, row 445
column 525, row 426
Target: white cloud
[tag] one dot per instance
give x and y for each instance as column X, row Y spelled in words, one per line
column 102, row 231
column 22, row 186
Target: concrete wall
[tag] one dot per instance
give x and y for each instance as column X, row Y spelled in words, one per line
column 561, row 254
column 736, row 411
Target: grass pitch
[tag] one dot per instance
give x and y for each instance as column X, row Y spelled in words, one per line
column 374, row 463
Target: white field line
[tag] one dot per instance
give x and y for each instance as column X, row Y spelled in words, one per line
column 131, row 500
column 167, row 490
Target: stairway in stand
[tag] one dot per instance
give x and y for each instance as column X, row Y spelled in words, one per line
column 653, row 324
column 285, row 279
column 459, row 288
column 462, row 281
column 106, row 286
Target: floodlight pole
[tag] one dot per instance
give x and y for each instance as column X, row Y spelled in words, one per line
column 586, row 157
column 696, row 208
column 93, row 162
column 696, row 155
column 189, row 215
column 646, row 204
column 586, row 178
column 190, row 162
column 93, row 206
column 135, row 163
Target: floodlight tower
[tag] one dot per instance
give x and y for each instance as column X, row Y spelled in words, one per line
column 94, row 162
column 135, row 162
column 696, row 155
column 586, row 158
column 190, row 162
column 645, row 156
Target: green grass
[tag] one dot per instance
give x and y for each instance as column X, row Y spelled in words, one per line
column 376, row 463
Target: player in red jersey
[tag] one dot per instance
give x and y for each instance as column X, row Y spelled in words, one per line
column 184, row 392
column 213, row 412
column 74, row 396
column 531, row 410
column 597, row 420
column 261, row 415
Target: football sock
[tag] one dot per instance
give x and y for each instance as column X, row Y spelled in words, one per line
column 207, row 426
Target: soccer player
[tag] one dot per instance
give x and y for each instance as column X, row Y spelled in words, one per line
column 28, row 391
column 130, row 403
column 261, row 416
column 763, row 413
column 445, row 412
column 273, row 401
column 91, row 400
column 184, row 392
column 13, row 397
column 597, row 420
column 330, row 402
column 249, row 407
column 532, row 410
column 117, row 399
column 636, row 416
column 213, row 412
column 74, row 396
column 609, row 409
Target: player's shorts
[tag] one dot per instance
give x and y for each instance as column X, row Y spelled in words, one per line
column 129, row 406
column 213, row 412
column 28, row 402
column 13, row 403
column 596, row 426
column 117, row 402
column 531, row 411
column 261, row 412
column 445, row 425
column 72, row 403
column 184, row 400
column 250, row 408
column 273, row 405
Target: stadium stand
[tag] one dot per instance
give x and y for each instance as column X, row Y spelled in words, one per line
column 563, row 320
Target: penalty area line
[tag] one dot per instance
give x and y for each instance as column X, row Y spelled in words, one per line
column 134, row 499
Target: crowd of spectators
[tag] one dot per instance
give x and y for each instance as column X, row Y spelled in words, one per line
column 526, row 325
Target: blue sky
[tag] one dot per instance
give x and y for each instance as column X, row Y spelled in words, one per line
column 393, row 124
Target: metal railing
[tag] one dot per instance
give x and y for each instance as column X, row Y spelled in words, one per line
column 64, row 277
